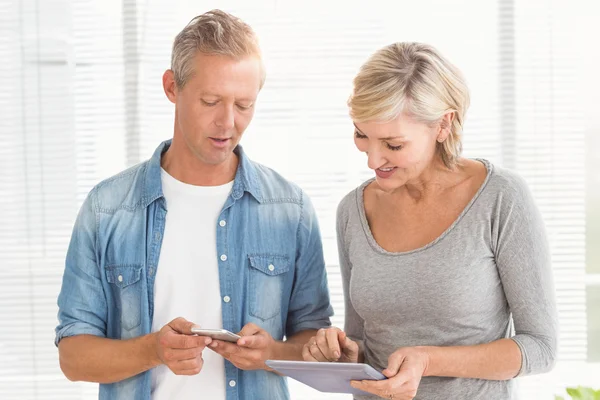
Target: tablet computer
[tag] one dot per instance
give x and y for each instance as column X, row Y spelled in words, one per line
column 331, row 377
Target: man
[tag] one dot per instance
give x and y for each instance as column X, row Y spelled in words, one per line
column 198, row 231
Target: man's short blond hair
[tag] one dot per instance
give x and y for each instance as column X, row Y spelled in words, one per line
column 216, row 33
column 416, row 79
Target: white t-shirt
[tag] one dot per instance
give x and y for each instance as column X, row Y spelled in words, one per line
column 187, row 282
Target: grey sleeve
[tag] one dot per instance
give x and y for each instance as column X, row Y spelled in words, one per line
column 353, row 325
column 523, row 259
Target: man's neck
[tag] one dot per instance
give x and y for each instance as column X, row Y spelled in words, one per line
column 182, row 165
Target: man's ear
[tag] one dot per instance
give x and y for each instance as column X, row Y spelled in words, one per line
column 169, row 86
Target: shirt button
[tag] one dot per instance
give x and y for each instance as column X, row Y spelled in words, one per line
column 151, row 271
column 223, row 257
column 120, row 278
column 226, row 299
column 271, row 267
column 157, row 235
column 222, row 223
column 232, row 383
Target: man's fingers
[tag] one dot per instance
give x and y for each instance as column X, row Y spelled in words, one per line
column 186, row 364
column 194, row 368
column 194, row 371
column 187, row 367
column 181, row 325
column 217, row 349
column 253, row 342
column 171, row 355
column 178, row 341
column 249, row 329
column 224, row 348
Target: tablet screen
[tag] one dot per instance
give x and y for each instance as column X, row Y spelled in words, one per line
column 330, row 377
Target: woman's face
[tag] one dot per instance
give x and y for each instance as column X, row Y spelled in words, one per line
column 399, row 150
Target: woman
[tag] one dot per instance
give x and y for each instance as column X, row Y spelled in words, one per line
column 439, row 254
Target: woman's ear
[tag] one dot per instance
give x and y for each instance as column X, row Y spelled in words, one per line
column 445, row 127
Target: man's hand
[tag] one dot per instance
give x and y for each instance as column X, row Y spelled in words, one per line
column 179, row 349
column 250, row 352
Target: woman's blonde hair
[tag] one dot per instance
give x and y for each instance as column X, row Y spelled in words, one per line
column 416, row 79
column 214, row 32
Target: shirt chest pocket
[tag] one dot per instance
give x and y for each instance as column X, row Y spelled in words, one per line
column 126, row 289
column 266, row 282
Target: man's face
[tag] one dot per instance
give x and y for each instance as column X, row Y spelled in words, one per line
column 216, row 105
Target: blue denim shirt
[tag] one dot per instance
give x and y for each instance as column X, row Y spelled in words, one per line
column 108, row 284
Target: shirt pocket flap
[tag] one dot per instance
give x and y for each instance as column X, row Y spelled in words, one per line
column 123, row 275
column 270, row 264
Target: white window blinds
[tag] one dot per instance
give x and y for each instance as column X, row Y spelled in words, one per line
column 82, row 99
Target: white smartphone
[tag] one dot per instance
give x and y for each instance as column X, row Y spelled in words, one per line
column 218, row 334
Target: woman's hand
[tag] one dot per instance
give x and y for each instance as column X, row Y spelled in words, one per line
column 406, row 367
column 331, row 345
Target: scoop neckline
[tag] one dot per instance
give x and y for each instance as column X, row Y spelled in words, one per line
column 371, row 239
